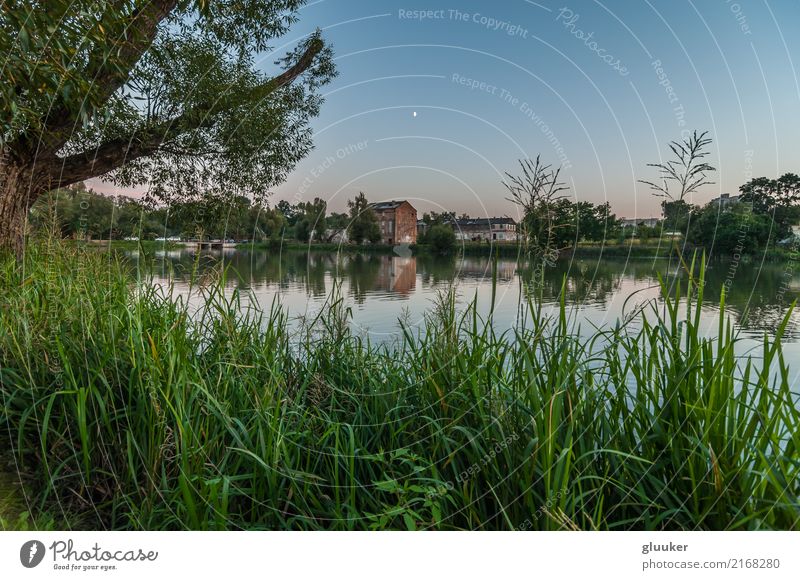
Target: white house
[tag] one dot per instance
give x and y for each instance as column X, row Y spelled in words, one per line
column 500, row 229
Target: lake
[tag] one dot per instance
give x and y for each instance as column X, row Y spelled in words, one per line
column 381, row 290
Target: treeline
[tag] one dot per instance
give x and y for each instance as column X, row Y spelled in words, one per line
column 761, row 217
column 81, row 213
column 765, row 214
column 567, row 223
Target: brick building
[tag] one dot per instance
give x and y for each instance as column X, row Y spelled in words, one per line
column 397, row 220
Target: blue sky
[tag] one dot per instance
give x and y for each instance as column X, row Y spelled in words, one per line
column 597, row 87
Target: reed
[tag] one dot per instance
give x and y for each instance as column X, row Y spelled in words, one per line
column 128, row 409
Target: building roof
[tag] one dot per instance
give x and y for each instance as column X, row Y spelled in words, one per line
column 383, row 205
column 484, row 221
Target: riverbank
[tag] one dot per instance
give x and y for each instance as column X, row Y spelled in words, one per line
column 665, row 249
column 153, row 418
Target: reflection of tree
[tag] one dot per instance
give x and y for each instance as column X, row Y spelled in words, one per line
column 363, row 272
column 584, row 280
column 437, row 269
column 757, row 295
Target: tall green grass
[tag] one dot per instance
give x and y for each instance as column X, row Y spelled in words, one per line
column 129, row 410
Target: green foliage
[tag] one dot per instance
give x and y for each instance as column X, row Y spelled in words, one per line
column 158, row 92
column 133, row 411
column 312, row 220
column 442, row 238
column 81, row 213
column 763, row 215
column 734, row 229
column 776, row 198
column 551, row 221
column 363, row 221
column 338, row 221
column 676, row 215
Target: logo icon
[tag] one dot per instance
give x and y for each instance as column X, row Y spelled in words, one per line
column 31, row 553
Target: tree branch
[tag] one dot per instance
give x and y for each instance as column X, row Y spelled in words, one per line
column 136, row 37
column 60, row 172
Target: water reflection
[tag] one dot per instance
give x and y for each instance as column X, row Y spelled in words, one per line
column 381, row 286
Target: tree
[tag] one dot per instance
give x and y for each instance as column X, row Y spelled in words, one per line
column 776, row 198
column 312, row 223
column 158, row 92
column 441, row 238
column 608, row 225
column 336, row 224
column 731, row 230
column 78, row 212
column 434, row 218
column 338, row 221
column 363, row 221
column 269, row 223
column 290, row 212
column 676, row 214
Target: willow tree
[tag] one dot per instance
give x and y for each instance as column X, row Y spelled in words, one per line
column 164, row 94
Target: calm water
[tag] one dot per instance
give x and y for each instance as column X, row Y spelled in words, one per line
column 383, row 289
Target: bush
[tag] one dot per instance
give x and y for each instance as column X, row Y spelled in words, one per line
column 441, row 238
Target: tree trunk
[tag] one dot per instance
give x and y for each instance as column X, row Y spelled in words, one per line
column 14, row 205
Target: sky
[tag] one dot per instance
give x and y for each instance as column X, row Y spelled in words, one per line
column 435, row 101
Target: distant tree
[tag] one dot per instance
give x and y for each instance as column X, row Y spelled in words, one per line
column 437, row 218
column 291, row 213
column 676, row 214
column 776, row 198
column 734, row 229
column 564, row 218
column 312, row 221
column 589, row 226
column 644, row 232
column 441, row 238
column 338, row 221
column 302, row 230
column 363, row 221
column 128, row 217
column 269, row 223
column 767, row 194
column 608, row 225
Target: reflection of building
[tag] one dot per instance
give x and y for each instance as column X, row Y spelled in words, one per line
column 480, row 268
column 478, row 229
column 397, row 274
column 397, row 220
